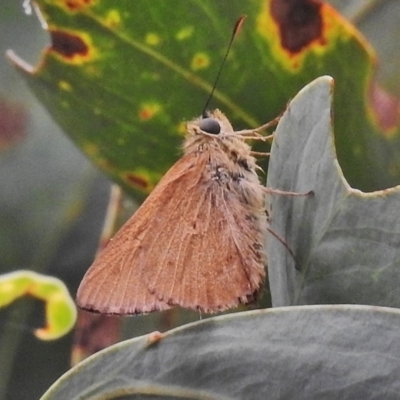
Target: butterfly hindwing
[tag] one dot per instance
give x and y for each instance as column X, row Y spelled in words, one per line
column 209, row 251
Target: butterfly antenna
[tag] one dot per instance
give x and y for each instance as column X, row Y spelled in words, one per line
column 236, row 29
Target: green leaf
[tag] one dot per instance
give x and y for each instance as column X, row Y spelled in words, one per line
column 122, row 77
column 346, row 242
column 314, row 352
column 60, row 308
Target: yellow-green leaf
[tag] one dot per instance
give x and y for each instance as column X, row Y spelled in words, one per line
column 122, row 78
column 60, row 308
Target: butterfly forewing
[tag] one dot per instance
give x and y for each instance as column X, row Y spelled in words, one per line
column 114, row 283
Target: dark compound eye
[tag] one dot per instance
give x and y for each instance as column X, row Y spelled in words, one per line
column 210, row 125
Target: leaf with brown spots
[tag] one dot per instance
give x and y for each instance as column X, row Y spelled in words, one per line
column 122, row 77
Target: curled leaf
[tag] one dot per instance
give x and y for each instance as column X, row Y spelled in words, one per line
column 60, row 308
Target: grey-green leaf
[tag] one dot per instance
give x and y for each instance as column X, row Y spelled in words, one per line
column 346, row 242
column 304, row 352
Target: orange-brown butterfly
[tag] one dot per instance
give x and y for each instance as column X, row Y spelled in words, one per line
column 198, row 239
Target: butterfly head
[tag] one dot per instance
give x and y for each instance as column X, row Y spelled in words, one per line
column 213, row 130
column 211, row 123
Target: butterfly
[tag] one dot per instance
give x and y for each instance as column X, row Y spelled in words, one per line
column 198, row 240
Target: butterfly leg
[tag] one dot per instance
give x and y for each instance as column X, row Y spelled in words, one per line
column 285, row 193
column 270, row 123
column 260, row 154
column 254, row 134
column 283, row 241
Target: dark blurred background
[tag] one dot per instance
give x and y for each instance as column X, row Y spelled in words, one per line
column 52, row 203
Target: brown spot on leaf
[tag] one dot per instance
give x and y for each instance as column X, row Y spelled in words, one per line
column 145, row 114
column 13, row 123
column 300, row 22
column 68, row 45
column 200, row 61
column 137, row 181
column 148, row 111
column 75, row 5
column 386, row 109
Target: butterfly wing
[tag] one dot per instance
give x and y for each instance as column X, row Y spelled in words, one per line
column 208, row 254
column 114, row 283
column 193, row 242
